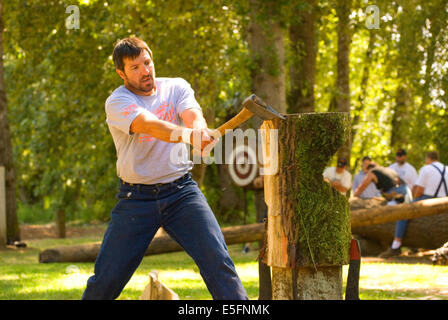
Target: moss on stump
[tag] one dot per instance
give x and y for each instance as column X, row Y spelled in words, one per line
column 315, row 217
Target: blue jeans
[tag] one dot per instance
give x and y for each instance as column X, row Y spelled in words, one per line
column 401, row 189
column 183, row 212
column 401, row 225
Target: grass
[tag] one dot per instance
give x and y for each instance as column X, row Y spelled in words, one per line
column 23, row 278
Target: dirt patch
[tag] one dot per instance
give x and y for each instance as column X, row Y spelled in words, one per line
column 28, row 232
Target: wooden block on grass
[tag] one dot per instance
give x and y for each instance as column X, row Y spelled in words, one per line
column 156, row 290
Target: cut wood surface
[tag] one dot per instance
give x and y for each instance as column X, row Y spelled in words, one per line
column 156, row 290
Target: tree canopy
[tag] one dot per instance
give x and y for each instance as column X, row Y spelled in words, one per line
column 57, row 79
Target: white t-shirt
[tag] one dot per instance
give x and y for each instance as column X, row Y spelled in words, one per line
column 345, row 177
column 142, row 158
column 406, row 172
column 429, row 178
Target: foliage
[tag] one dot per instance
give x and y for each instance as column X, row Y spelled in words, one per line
column 57, row 80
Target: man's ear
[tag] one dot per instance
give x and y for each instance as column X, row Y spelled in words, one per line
column 121, row 74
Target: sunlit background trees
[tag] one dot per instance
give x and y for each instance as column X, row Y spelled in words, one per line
column 301, row 56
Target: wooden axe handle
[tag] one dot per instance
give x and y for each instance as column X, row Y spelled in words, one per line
column 244, row 115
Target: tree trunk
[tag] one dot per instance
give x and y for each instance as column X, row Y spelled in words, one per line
column 303, row 64
column 342, row 98
column 308, row 221
column 363, row 87
column 405, row 211
column 264, row 271
column 6, row 154
column 231, row 200
column 60, row 223
column 161, row 243
column 401, row 119
column 266, row 43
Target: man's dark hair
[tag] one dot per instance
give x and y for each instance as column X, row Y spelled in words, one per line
column 433, row 155
column 366, row 158
column 129, row 48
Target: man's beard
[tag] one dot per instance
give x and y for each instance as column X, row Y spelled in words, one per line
column 147, row 87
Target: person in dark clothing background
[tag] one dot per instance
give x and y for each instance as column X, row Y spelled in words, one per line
column 387, row 182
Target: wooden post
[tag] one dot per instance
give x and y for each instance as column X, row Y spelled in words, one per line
column 308, row 236
column 60, row 223
column 2, row 207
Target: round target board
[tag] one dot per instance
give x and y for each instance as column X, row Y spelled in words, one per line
column 242, row 163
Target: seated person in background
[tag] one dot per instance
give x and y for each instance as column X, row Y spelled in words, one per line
column 432, row 182
column 386, row 181
column 371, row 191
column 404, row 169
column 338, row 177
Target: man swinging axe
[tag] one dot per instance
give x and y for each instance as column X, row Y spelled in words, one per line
column 144, row 116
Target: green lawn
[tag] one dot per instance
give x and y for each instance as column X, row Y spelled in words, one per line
column 22, row 277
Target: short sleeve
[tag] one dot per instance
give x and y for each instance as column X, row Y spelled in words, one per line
column 422, row 179
column 347, row 180
column 327, row 173
column 185, row 99
column 121, row 111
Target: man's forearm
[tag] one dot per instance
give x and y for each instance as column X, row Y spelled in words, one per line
column 166, row 131
column 417, row 191
column 193, row 118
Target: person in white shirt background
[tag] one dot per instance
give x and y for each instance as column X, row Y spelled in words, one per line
column 405, row 170
column 338, row 177
column 432, row 182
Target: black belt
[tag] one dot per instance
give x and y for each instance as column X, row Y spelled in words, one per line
column 124, row 183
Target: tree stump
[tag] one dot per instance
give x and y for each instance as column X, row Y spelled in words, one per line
column 308, row 234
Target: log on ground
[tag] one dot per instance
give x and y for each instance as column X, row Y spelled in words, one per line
column 160, row 244
column 426, row 232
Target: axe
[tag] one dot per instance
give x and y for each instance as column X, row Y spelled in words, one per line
column 251, row 105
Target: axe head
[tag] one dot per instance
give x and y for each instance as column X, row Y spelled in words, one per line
column 260, row 108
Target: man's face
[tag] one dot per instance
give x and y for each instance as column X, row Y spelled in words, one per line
column 139, row 74
column 365, row 164
column 401, row 159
